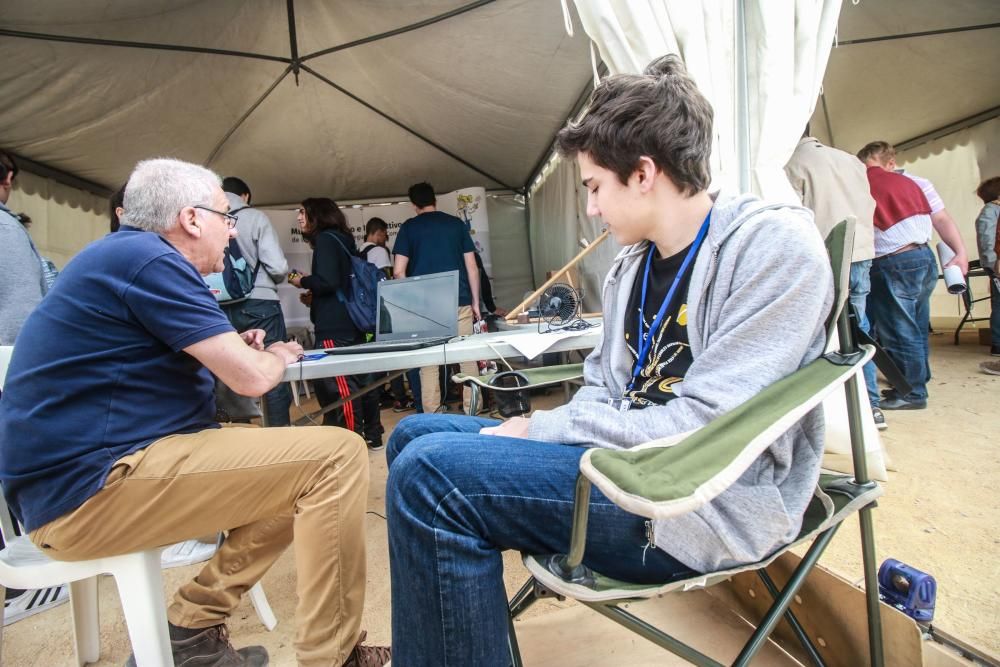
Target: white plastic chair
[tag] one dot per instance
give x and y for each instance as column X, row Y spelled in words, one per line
column 137, row 575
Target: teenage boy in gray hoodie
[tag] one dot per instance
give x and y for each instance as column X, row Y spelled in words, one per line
column 712, row 300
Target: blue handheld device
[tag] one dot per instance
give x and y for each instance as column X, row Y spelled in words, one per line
column 907, row 589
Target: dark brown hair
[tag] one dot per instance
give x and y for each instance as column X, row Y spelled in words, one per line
column 323, row 213
column 989, row 190
column 660, row 114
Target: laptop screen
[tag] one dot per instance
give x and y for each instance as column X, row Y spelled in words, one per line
column 418, row 307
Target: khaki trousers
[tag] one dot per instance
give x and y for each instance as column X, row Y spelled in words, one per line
column 430, row 387
column 265, row 486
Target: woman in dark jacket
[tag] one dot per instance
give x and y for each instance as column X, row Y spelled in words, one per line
column 324, row 227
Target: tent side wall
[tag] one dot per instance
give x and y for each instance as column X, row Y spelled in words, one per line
column 956, row 165
column 63, row 219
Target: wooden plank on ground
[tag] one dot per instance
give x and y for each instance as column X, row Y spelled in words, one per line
column 580, row 637
column 833, row 613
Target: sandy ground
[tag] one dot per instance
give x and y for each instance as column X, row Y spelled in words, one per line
column 938, row 514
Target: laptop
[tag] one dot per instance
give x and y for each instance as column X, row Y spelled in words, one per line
column 413, row 313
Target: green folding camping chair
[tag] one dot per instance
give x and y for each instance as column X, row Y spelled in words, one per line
column 660, row 482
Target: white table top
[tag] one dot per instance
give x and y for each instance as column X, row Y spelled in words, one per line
column 466, row 348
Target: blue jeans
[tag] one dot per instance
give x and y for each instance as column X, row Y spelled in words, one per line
column 265, row 314
column 455, row 500
column 860, row 286
column 994, row 310
column 899, row 309
column 398, row 389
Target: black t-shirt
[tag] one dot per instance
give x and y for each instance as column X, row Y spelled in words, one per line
column 670, row 356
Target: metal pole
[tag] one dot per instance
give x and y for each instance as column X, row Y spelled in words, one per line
column 780, row 605
column 742, row 100
column 581, row 509
column 869, row 563
column 793, row 621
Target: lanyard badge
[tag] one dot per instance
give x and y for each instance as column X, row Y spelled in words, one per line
column 647, row 337
column 620, row 404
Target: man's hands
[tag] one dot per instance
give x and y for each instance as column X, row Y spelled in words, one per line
column 306, row 298
column 946, row 228
column 515, row 427
column 287, row 352
column 296, row 279
column 961, row 260
column 254, row 338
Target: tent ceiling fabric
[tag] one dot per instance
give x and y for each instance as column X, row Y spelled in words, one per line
column 490, row 86
column 899, row 89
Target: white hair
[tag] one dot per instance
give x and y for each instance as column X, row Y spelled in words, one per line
column 158, row 189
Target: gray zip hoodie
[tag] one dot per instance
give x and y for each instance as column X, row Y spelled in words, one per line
column 259, row 243
column 760, row 290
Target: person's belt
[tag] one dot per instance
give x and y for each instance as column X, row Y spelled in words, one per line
column 906, row 248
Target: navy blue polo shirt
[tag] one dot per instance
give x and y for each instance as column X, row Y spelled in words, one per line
column 98, row 371
column 435, row 242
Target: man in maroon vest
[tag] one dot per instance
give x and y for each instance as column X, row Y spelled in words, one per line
column 903, row 275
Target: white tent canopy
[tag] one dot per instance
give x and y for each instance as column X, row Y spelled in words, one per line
column 472, row 98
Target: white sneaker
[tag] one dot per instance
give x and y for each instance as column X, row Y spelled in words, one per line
column 990, row 367
column 186, row 553
column 33, row 601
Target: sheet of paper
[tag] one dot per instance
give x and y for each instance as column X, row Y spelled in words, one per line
column 533, row 344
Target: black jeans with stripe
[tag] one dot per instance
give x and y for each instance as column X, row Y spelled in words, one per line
column 360, row 415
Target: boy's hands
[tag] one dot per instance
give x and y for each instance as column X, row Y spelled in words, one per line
column 515, row 427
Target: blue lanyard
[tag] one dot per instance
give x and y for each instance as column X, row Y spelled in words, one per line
column 646, row 340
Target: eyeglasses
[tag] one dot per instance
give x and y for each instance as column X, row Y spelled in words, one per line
column 230, row 219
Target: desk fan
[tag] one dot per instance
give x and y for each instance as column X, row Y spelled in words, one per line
column 559, row 306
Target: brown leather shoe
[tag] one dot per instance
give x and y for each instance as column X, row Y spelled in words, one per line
column 211, row 648
column 368, row 656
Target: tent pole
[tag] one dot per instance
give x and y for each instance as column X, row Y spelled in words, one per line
column 70, row 39
column 399, row 31
column 293, row 42
column 826, row 116
column 242, row 119
column 400, row 125
column 59, row 176
column 926, row 33
column 742, row 100
column 950, row 128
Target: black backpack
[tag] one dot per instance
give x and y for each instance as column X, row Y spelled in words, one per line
column 360, row 296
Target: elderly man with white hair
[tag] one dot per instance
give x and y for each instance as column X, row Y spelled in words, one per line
column 108, row 442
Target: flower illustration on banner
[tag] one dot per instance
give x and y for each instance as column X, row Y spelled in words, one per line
column 467, row 205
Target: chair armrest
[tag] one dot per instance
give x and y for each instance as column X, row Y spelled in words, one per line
column 663, row 481
column 537, row 377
